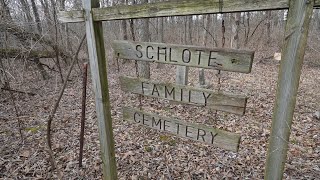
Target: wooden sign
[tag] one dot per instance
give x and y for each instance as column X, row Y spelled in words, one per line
column 215, row 58
column 185, row 94
column 212, row 136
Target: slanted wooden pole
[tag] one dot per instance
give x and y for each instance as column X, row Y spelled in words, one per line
column 98, row 69
column 83, row 110
column 300, row 12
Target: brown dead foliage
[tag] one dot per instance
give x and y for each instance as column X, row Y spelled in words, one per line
column 147, row 154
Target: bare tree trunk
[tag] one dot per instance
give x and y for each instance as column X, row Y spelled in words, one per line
column 4, row 11
column 214, row 29
column 160, row 37
column 268, row 27
column 43, row 72
column 36, row 16
column 56, row 46
column 45, row 6
column 26, row 10
column 235, row 31
column 144, row 67
column 124, row 25
column 247, row 32
column 206, row 26
column 182, row 71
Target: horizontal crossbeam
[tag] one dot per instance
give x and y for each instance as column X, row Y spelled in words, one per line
column 176, row 8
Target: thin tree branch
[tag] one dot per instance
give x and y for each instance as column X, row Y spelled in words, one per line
column 51, row 116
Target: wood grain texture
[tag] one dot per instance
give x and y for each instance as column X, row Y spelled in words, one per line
column 208, row 135
column 185, row 55
column 178, row 8
column 71, row 16
column 296, row 35
column 185, row 94
column 99, row 76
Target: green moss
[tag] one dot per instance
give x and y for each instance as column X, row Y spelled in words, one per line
column 33, row 129
column 148, row 148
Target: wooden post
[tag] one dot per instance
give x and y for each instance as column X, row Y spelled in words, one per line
column 98, row 65
column 183, row 71
column 300, row 12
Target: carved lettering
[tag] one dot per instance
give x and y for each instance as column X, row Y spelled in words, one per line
column 170, row 56
column 144, row 120
column 155, row 124
column 211, row 58
column 165, row 125
column 188, row 132
column 213, row 136
column 147, row 51
column 206, row 97
column 183, row 129
column 143, row 87
column 203, row 134
column 138, row 48
column 162, row 53
column 135, row 118
column 170, row 93
column 155, row 89
column 199, row 57
column 186, row 56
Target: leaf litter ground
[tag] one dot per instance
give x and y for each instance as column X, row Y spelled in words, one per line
column 143, row 153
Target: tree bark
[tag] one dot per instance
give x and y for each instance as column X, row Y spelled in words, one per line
column 144, row 67
column 268, row 27
column 26, row 10
column 4, row 11
column 206, row 27
column 36, row 16
column 124, row 25
column 160, row 37
column 235, row 43
column 182, row 71
column 247, row 24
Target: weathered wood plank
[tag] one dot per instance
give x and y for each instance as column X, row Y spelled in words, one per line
column 179, row 7
column 99, row 76
column 71, row 16
column 185, row 7
column 212, row 136
column 185, row 55
column 296, row 37
column 185, row 94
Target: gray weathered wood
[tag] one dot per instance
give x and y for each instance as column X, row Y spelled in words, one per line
column 179, row 7
column 296, row 36
column 185, row 94
column 185, row 55
column 182, row 75
column 71, row 16
column 209, row 135
column 99, row 76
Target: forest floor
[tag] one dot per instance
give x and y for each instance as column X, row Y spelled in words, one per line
column 143, row 153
